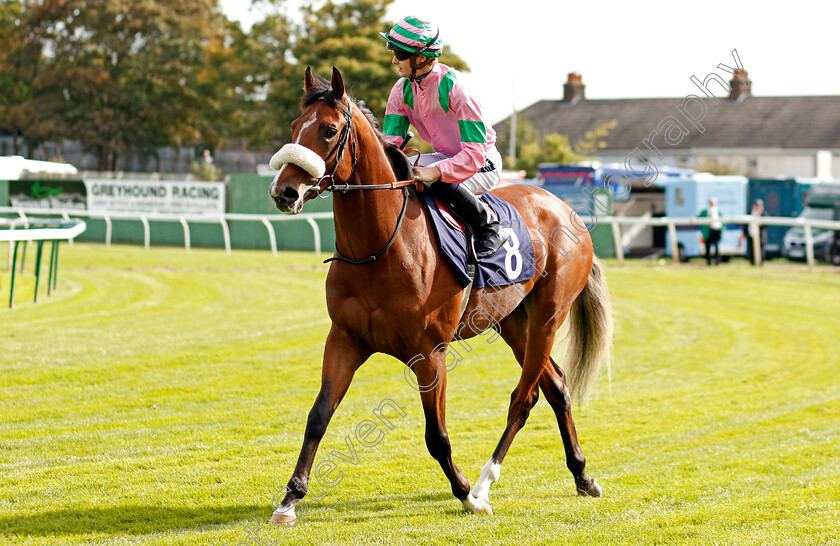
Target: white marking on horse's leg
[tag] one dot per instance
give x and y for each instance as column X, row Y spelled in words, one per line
column 478, row 501
column 477, row 506
column 489, row 475
column 283, row 516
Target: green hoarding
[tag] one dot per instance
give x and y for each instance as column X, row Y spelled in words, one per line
column 248, row 194
column 245, row 194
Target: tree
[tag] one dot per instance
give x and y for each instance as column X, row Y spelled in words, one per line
column 340, row 34
column 279, row 79
column 122, row 76
column 20, row 61
column 346, row 35
column 131, row 77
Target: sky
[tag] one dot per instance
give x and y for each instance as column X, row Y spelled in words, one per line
column 520, row 52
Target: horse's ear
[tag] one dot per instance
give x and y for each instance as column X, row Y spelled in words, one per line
column 308, row 79
column 337, row 84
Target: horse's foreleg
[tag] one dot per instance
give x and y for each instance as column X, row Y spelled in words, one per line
column 431, row 381
column 342, row 357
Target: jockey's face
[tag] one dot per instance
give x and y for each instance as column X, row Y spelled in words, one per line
column 403, row 67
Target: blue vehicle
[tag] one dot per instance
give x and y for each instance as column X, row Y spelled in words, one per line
column 568, row 181
column 577, row 184
column 783, row 197
column 687, row 198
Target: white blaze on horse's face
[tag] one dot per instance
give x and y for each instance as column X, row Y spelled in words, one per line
column 290, row 200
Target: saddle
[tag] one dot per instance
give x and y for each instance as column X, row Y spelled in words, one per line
column 514, row 262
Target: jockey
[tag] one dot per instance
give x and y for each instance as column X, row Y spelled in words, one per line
column 429, row 96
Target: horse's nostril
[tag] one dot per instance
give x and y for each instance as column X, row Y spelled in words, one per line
column 290, row 194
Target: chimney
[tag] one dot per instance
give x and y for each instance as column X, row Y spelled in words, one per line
column 573, row 88
column 739, row 86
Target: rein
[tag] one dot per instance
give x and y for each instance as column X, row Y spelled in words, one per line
column 323, row 193
column 387, row 186
column 373, row 257
column 339, row 148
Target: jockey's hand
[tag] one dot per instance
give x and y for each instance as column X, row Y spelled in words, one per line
column 426, row 174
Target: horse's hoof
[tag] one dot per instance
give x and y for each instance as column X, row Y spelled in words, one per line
column 589, row 490
column 286, row 520
column 477, row 505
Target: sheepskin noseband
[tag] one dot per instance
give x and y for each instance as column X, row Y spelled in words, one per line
column 301, row 156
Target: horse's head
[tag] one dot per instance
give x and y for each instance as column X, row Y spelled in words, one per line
column 316, row 157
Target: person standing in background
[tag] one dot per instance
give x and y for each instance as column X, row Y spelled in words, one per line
column 756, row 232
column 712, row 231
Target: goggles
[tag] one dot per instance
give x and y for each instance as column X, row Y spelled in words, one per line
column 402, row 55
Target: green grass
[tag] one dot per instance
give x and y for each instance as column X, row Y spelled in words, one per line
column 160, row 397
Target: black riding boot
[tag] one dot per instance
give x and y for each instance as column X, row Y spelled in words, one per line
column 487, row 233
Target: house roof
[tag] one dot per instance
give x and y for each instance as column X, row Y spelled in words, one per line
column 752, row 122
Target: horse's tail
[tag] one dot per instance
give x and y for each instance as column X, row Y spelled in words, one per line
column 588, row 343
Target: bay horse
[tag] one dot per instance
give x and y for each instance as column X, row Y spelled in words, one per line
column 390, row 290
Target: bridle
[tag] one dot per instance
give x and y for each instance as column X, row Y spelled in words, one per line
column 345, row 137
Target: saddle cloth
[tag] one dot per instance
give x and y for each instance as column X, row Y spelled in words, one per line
column 513, row 263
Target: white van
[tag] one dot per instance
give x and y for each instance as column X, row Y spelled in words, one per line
column 823, row 204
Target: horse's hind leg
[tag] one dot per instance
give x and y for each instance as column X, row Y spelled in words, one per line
column 553, row 385
column 532, row 352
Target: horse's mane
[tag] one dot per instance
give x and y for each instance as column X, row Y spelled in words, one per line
column 322, row 90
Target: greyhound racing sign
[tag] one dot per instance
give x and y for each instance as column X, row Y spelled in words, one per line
column 157, row 197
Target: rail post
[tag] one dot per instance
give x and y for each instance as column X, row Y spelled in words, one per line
column 809, row 246
column 675, row 246
column 619, row 247
column 38, row 255
column 146, row 232
column 271, row 236
column 317, row 233
column 225, row 233
column 186, row 233
column 108, row 231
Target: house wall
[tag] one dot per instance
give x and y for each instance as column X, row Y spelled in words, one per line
column 760, row 163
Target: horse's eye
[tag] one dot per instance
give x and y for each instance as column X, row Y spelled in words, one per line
column 330, row 132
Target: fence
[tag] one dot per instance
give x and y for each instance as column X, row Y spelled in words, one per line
column 26, row 230
column 185, row 221
column 616, row 223
column 671, row 223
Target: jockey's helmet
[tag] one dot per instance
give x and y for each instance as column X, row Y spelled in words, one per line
column 414, row 36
